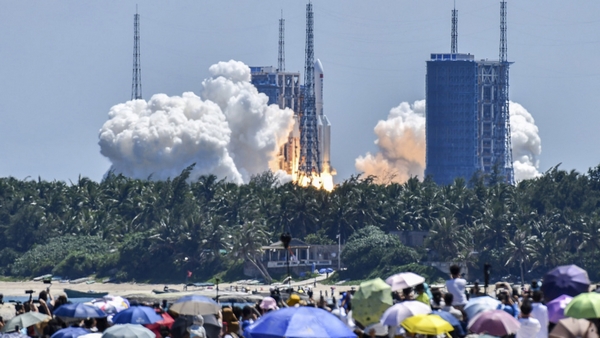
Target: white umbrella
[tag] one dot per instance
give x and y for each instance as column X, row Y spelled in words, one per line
column 128, row 331
column 404, row 280
column 25, row 320
column 195, row 305
column 91, row 335
column 395, row 315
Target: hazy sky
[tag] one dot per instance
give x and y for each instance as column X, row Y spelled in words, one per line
column 63, row 64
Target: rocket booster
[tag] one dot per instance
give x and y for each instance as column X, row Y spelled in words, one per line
column 323, row 125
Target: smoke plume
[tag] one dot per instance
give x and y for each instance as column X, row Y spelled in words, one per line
column 229, row 130
column 401, row 143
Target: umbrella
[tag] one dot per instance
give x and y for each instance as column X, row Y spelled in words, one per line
column 111, row 304
column 13, row 335
column 306, row 322
column 79, row 310
column 195, row 305
column 25, row 320
column 479, row 304
column 571, row 328
column 70, row 332
column 568, row 280
column 92, row 335
column 395, row 315
column 585, row 305
column 495, row 322
column 447, row 316
column 556, row 308
column 325, row 270
column 128, row 331
column 137, row 315
column 371, row 300
column 404, row 280
column 427, row 324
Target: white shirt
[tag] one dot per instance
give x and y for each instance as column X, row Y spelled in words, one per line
column 457, row 288
column 456, row 313
column 529, row 328
column 540, row 312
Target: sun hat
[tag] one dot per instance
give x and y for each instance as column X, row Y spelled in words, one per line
column 293, row 300
column 268, row 303
column 198, row 320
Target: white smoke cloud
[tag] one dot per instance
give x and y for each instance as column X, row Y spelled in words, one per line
column 526, row 143
column 401, row 143
column 229, row 130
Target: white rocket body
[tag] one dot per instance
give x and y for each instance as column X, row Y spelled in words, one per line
column 323, row 125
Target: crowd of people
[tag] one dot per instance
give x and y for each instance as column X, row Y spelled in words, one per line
column 526, row 305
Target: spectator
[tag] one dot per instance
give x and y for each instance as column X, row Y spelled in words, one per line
column 540, row 312
column 457, row 287
column 437, row 301
column 529, row 326
column 421, row 294
column 449, row 300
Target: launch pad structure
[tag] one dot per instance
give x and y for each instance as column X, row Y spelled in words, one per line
column 306, row 154
column 467, row 113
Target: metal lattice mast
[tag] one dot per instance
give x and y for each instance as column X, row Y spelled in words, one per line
column 281, row 59
column 504, row 96
column 136, row 83
column 503, row 51
column 454, row 43
column 309, row 143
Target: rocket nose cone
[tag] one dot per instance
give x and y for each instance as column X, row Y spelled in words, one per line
column 318, row 66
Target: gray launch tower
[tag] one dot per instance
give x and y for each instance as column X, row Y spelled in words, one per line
column 309, row 141
column 136, row 82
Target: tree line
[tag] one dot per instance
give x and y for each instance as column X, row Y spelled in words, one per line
column 159, row 230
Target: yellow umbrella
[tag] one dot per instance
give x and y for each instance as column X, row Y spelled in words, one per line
column 427, row 324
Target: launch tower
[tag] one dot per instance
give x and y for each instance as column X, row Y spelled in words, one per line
column 136, row 83
column 468, row 122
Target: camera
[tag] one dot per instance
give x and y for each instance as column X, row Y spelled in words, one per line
column 28, row 292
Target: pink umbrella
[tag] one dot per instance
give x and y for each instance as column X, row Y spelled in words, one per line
column 556, row 308
column 494, row 322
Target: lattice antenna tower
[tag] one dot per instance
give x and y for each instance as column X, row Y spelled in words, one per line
column 309, row 143
column 281, row 59
column 503, row 49
column 504, row 95
column 454, row 35
column 136, row 83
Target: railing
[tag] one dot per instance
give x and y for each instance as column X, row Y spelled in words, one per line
column 293, row 263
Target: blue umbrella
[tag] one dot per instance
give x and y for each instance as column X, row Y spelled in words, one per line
column 569, row 280
column 79, row 310
column 137, row 315
column 70, row 332
column 479, row 304
column 296, row 322
column 447, row 316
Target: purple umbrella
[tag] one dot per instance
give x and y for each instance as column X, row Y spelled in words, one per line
column 494, row 322
column 556, row 308
column 569, row 280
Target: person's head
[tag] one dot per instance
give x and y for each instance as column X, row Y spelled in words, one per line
column 268, row 304
column 89, row 323
column 247, row 312
column 455, row 271
column 43, row 295
column 437, row 296
column 448, row 298
column 420, row 288
column 526, row 308
column 407, row 293
column 534, row 284
column 537, row 296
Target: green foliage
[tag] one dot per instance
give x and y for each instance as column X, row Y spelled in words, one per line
column 318, row 238
column 158, row 230
column 370, row 247
column 73, row 256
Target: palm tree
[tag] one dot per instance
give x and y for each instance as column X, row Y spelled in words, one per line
column 248, row 240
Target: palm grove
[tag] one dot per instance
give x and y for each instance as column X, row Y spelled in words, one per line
column 158, row 230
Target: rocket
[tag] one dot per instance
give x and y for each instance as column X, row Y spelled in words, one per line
column 323, row 125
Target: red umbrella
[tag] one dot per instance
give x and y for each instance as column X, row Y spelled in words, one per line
column 166, row 321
